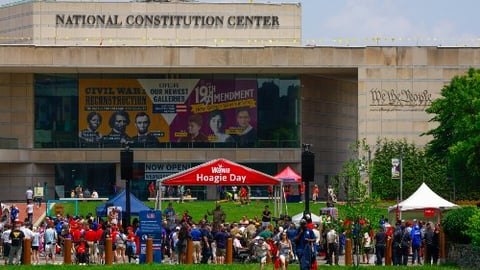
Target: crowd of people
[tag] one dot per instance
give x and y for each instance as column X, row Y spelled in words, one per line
column 87, row 234
column 254, row 239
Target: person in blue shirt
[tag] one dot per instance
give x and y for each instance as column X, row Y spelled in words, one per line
column 304, row 241
column 416, row 235
column 196, row 236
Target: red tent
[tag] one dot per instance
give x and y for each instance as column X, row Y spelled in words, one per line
column 289, row 175
column 220, row 172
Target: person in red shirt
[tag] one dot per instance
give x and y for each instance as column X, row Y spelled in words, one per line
column 91, row 238
column 151, row 189
column 81, row 250
column 270, row 193
column 131, row 244
column 243, row 195
column 76, row 233
column 113, row 235
column 301, row 191
column 315, row 193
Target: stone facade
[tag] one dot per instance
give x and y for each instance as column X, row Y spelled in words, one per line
column 465, row 256
column 346, row 93
column 86, row 23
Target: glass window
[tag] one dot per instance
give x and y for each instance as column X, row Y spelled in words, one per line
column 99, row 177
column 275, row 106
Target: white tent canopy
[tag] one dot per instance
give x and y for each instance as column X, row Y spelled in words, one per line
column 315, row 219
column 421, row 199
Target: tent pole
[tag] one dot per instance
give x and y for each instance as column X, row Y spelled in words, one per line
column 284, row 197
column 158, row 201
column 275, row 202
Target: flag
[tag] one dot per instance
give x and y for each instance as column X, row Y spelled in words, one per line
column 181, row 108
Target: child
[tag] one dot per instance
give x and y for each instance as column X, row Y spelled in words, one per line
column 131, row 245
column 261, row 250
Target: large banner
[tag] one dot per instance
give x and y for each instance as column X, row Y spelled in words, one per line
column 150, row 227
column 145, row 112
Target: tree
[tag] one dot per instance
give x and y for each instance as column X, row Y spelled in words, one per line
column 352, row 179
column 456, row 140
column 417, row 168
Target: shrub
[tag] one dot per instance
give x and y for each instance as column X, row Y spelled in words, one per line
column 473, row 230
column 454, row 224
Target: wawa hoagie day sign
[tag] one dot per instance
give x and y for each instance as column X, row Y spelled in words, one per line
column 220, row 172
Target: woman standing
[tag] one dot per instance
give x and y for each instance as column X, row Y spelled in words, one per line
column 120, row 250
column 183, row 237
column 285, row 250
column 35, row 246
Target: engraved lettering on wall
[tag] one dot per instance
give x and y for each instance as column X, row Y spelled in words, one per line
column 399, row 99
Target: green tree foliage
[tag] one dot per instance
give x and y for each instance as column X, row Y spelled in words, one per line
column 456, row 140
column 455, row 224
column 473, row 228
column 417, row 168
column 354, row 183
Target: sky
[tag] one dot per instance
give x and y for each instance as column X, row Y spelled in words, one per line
column 381, row 22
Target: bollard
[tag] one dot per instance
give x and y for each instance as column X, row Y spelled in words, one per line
column 229, row 250
column 149, row 252
column 388, row 252
column 67, row 251
column 441, row 257
column 108, row 251
column 189, row 255
column 27, row 251
column 425, row 254
column 348, row 251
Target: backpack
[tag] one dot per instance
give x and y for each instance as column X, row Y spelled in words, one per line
column 64, row 230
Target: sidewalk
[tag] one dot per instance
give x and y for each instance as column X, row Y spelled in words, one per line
column 39, row 213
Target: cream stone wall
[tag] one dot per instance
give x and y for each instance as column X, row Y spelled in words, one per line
column 347, row 94
column 329, row 122
column 396, row 85
column 36, row 23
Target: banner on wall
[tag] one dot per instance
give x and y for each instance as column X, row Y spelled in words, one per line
column 154, row 171
column 146, row 112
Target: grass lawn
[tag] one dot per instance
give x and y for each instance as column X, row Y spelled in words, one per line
column 197, row 209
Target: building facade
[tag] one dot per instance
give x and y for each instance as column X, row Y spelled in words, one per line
column 70, row 72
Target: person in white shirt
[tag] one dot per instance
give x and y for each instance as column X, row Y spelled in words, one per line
column 29, row 210
column 26, row 230
column 332, row 245
column 367, row 247
column 261, row 250
column 94, row 194
column 6, row 242
column 29, row 195
column 50, row 237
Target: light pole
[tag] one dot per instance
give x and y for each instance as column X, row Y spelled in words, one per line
column 397, row 173
column 401, row 180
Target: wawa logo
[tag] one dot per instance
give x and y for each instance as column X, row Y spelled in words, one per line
column 220, row 169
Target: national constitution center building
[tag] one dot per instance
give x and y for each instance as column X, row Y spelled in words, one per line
column 182, row 83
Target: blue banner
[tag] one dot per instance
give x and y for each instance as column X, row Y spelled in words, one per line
column 150, row 227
